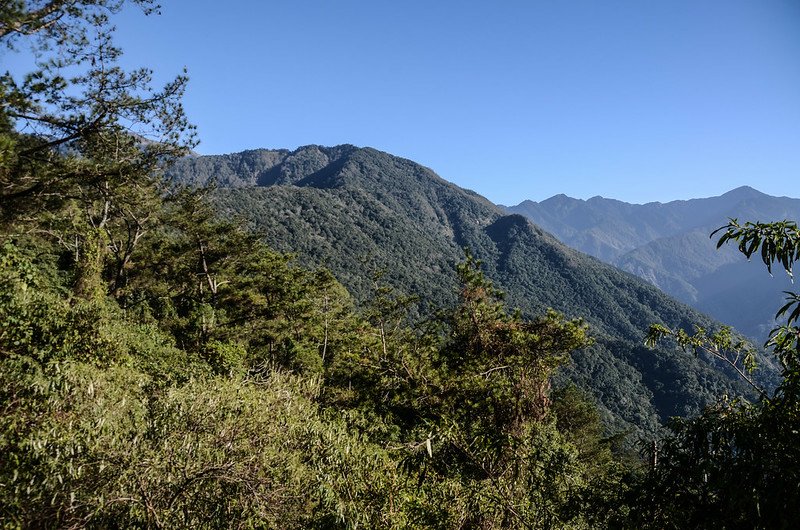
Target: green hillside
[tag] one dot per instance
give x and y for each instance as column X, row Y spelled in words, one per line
column 358, row 211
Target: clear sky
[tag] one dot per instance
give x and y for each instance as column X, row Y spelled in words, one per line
column 635, row 100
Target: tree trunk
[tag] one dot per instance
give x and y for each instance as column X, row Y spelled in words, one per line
column 89, row 284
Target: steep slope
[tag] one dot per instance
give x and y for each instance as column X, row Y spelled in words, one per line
column 669, row 246
column 360, row 210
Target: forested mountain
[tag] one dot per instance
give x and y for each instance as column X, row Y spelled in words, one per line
column 669, row 246
column 162, row 366
column 359, row 211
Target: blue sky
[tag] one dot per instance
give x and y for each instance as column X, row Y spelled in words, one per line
column 634, row 100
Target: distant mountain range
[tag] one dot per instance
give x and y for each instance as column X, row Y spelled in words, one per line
column 358, row 210
column 669, row 246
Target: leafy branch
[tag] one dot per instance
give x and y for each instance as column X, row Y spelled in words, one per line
column 778, row 242
column 722, row 345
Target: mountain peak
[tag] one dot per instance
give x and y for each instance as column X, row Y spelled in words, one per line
column 333, row 151
column 743, row 192
column 561, row 200
column 561, row 197
column 503, row 227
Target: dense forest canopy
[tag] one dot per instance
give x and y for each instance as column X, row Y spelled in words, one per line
column 358, row 210
column 162, row 367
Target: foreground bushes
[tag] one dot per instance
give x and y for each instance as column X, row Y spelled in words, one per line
column 85, row 446
column 107, row 422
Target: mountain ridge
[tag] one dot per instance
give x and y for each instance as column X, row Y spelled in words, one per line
column 669, row 245
column 370, row 211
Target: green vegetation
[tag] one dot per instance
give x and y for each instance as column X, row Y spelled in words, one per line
column 738, row 464
column 357, row 211
column 162, row 367
column 114, row 419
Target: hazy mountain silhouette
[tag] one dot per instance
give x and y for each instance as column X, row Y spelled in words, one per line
column 669, row 246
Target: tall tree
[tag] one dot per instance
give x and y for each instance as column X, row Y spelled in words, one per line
column 83, row 140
